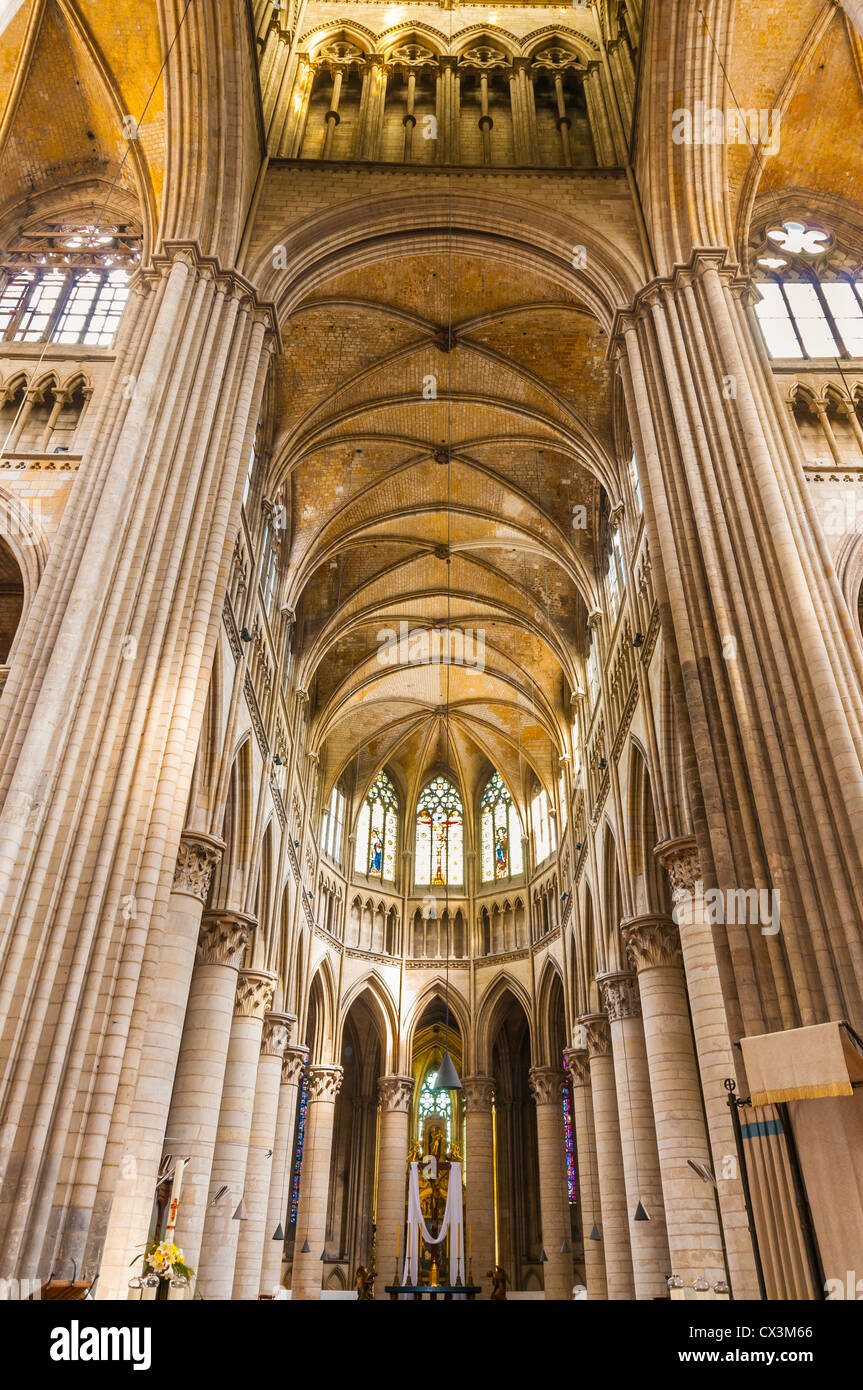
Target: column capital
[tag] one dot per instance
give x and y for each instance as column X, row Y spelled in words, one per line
column 278, row 1030
column 680, row 859
column 546, row 1084
column 619, row 991
column 324, row 1081
column 597, row 1034
column 395, row 1093
column 652, row 941
column 254, row 995
column 478, row 1092
column 197, row 858
column 223, row 938
column 294, row 1060
column 578, row 1065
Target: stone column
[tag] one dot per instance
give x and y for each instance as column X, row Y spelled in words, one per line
column 133, row 1183
column 714, row 1051
column 283, row 1162
column 614, row 1227
column 578, row 1062
column 324, row 1082
column 692, row 1220
column 231, row 1154
column 195, row 1104
column 395, row 1094
column 478, row 1092
column 260, row 1169
column 648, row 1239
column 546, row 1084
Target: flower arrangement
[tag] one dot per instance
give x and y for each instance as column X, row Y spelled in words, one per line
column 166, row 1260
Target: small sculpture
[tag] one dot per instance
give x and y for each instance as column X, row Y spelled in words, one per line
column 364, row 1279
column 415, row 1151
column 499, row 1280
column 454, row 1155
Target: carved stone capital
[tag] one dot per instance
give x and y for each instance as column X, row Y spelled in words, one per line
column 294, row 1060
column 546, row 1085
column 597, row 1035
column 680, row 860
column 277, row 1033
column 223, row 938
column 324, row 1082
column 478, row 1092
column 578, row 1065
column 197, row 858
column 619, row 992
column 652, row 941
column 254, row 995
column 395, row 1093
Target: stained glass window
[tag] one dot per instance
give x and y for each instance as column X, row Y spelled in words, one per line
column 439, row 835
column 567, row 1140
column 302, row 1106
column 437, row 1103
column 500, row 832
column 377, row 827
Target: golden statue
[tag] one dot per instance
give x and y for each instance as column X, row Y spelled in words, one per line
column 415, row 1151
column 436, row 1145
column 364, row 1281
column 499, row 1280
column 454, row 1155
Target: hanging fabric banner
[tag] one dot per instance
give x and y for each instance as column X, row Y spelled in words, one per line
column 453, row 1221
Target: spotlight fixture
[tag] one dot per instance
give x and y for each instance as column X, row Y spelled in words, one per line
column 602, row 764
column 579, row 844
column 245, row 635
column 702, row 1170
column 277, row 760
column 296, row 844
column 222, row 1192
column 638, row 639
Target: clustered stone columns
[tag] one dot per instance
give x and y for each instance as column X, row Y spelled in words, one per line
column 98, row 748
column 692, row 1220
column 324, row 1082
column 478, row 1092
column 143, row 1140
column 280, row 1183
column 609, row 1159
column 714, row 1051
column 546, row 1084
column 230, row 1157
column 648, row 1240
column 395, row 1094
column 578, row 1064
column 260, row 1171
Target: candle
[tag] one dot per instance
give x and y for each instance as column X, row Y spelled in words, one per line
column 470, row 1242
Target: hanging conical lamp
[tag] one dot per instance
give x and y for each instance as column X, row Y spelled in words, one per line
column 543, row 1258
column 240, row 1213
column 640, row 1213
column 305, row 1248
column 279, row 1232
column 594, row 1235
column 564, row 1249
column 447, row 1076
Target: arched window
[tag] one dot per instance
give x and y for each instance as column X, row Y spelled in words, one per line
column 67, row 283
column 440, row 835
column 376, row 831
column 500, row 832
column 544, row 838
column 331, row 826
column 434, row 1105
column 806, row 309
